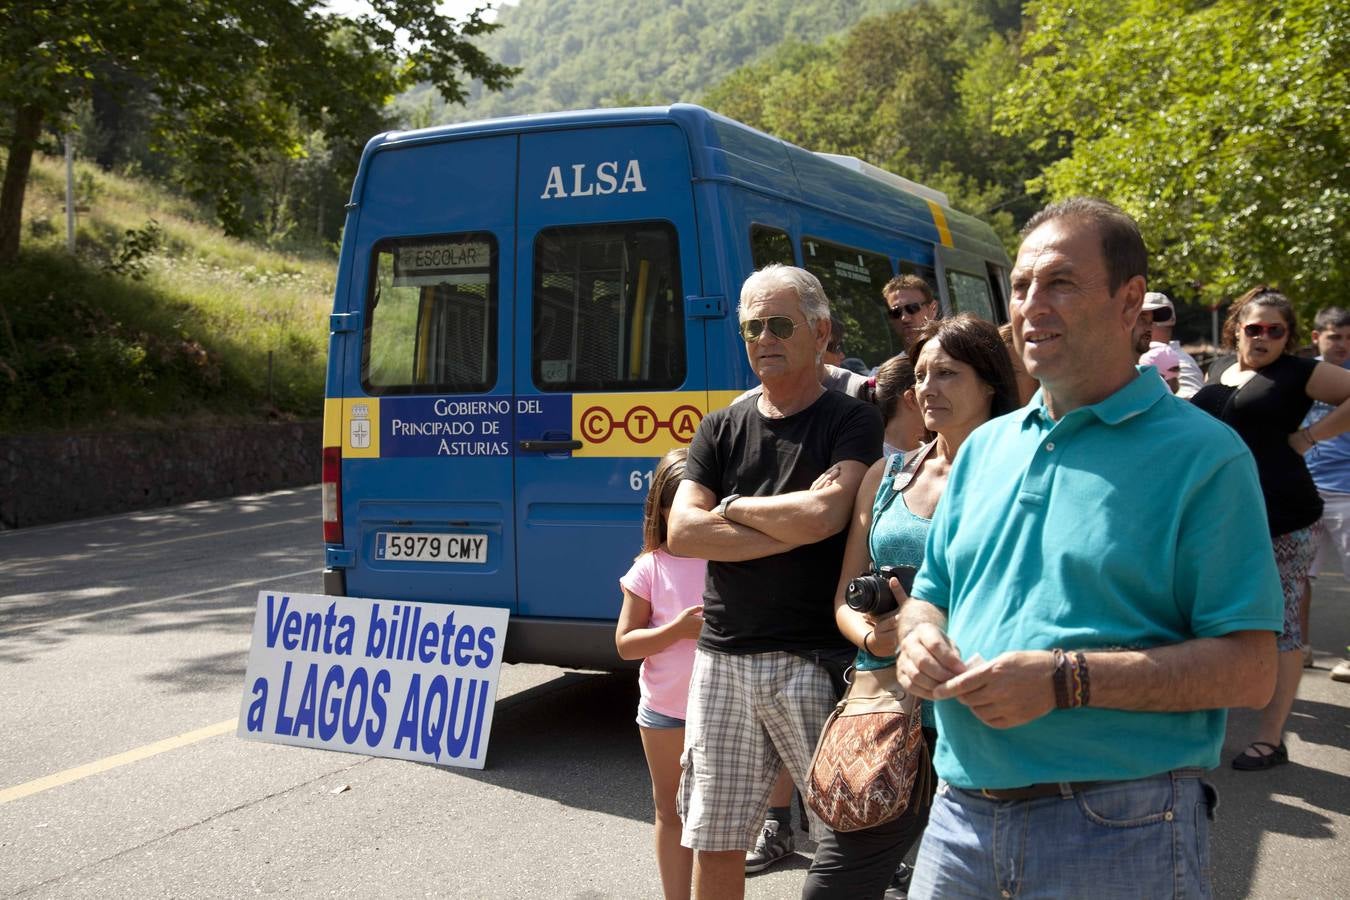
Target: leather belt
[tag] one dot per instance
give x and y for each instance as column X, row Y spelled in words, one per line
column 1036, row 791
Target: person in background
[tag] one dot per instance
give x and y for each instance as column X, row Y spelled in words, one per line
column 659, row 622
column 911, row 305
column 894, row 397
column 1263, row 392
column 1163, row 316
column 834, row 350
column 1329, row 465
column 1165, row 360
column 768, row 489
column 1026, row 385
column 1143, row 331
column 963, row 380
column 1084, row 629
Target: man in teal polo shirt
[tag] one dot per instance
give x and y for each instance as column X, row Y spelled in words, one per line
column 1083, row 623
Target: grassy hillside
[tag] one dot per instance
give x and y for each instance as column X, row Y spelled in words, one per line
column 157, row 319
column 578, row 54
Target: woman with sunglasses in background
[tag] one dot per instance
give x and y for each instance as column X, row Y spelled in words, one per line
column 1263, row 392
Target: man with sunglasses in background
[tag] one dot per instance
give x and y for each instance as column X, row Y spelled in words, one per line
column 768, row 490
column 1164, row 318
column 910, row 304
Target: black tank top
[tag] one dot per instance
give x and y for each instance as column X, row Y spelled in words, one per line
column 1264, row 412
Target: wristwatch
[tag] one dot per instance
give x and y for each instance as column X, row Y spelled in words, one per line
column 721, row 507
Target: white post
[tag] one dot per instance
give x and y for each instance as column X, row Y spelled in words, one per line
column 70, row 192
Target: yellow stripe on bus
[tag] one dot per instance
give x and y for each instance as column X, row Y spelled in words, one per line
column 940, row 220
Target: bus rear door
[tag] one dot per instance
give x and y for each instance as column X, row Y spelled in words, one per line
column 426, row 411
column 609, row 366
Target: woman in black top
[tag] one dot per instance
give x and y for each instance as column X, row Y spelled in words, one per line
column 1263, row 393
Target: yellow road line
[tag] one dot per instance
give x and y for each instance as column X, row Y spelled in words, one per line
column 39, row 785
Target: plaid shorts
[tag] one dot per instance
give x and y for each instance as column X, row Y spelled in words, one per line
column 748, row 714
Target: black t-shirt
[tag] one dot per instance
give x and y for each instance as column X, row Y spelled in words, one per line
column 785, row 601
column 1264, row 412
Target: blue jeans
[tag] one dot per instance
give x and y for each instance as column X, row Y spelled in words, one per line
column 1147, row 838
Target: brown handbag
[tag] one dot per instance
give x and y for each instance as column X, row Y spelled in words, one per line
column 871, row 759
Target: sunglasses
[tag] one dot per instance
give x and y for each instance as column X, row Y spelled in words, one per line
column 780, row 327
column 1256, row 329
column 905, row 309
column 1161, row 315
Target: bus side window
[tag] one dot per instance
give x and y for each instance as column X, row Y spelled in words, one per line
column 770, row 245
column 970, row 293
column 431, row 316
column 608, row 310
column 853, row 280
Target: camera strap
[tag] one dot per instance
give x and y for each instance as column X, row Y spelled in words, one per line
column 909, row 465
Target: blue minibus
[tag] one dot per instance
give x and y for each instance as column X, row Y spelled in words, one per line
column 530, row 311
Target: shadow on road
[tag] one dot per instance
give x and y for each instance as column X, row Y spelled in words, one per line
column 595, row 759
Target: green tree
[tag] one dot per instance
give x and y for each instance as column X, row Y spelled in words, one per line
column 230, row 78
column 1221, row 126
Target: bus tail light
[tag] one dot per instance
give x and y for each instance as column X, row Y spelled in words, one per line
column 332, row 495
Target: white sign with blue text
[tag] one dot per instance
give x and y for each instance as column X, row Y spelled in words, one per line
column 406, row 680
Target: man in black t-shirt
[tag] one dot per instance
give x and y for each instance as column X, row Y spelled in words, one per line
column 768, row 490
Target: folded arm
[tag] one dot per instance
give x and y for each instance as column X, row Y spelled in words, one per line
column 695, row 530
column 803, row 517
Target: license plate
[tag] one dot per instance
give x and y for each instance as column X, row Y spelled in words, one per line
column 435, row 548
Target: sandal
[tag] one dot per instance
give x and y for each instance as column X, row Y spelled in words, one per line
column 1246, row 762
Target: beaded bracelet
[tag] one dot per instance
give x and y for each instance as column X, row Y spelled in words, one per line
column 1073, row 685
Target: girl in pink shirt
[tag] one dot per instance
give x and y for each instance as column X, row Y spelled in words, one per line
column 661, row 617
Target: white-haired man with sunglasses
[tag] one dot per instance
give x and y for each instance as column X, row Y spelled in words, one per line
column 1164, row 321
column 769, row 486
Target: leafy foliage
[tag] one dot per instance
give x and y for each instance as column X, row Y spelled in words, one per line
column 913, row 91
column 188, row 340
column 578, row 54
column 1221, row 126
column 232, row 82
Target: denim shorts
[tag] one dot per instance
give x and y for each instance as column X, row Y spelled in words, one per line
column 650, row 718
column 1148, row 837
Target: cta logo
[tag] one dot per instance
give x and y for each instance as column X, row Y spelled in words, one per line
column 640, row 424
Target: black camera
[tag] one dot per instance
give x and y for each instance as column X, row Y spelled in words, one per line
column 871, row 591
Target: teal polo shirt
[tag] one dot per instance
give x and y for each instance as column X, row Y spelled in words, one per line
column 1132, row 523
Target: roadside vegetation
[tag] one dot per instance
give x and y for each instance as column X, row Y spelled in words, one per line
column 158, row 319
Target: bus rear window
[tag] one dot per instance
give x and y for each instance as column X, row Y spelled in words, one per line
column 608, row 309
column 431, row 317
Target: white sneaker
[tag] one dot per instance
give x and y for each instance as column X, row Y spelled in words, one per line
column 773, row 845
column 1341, row 671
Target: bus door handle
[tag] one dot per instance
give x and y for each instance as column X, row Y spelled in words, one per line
column 549, row 446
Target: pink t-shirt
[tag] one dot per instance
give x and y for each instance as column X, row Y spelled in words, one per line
column 669, row 584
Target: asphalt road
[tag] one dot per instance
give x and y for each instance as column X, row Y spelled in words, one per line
column 122, row 650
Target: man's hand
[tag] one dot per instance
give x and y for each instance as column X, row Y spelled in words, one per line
column 826, row 478
column 927, row 660
column 1010, row 690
